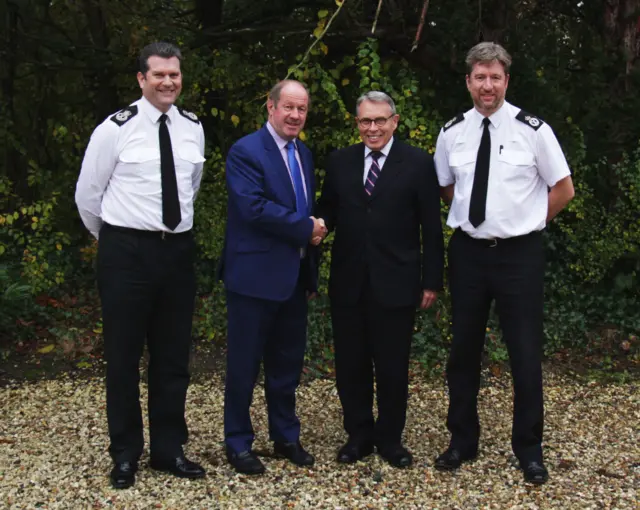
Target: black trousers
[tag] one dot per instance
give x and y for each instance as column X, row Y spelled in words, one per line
column 147, row 290
column 512, row 274
column 369, row 337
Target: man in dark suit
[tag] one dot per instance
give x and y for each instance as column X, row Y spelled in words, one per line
column 381, row 198
column 269, row 269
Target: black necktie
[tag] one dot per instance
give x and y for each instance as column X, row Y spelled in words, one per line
column 171, row 216
column 478, row 203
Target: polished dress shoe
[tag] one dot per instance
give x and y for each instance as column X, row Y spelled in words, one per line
column 180, row 467
column 245, row 462
column 123, row 475
column 452, row 459
column 353, row 451
column 294, row 452
column 396, row 455
column 535, row 472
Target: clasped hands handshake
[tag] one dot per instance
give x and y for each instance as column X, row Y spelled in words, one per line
column 319, row 231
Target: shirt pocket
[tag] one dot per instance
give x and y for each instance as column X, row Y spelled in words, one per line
column 139, row 156
column 517, row 167
column 140, row 167
column 462, row 161
column 190, row 152
column 463, row 165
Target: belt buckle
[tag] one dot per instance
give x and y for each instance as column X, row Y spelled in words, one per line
column 495, row 243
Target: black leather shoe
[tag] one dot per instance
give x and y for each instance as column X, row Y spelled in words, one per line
column 245, row 462
column 353, row 451
column 452, row 459
column 535, row 472
column 294, row 452
column 396, row 455
column 180, row 467
column 123, row 475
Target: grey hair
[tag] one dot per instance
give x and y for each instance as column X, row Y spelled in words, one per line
column 276, row 90
column 488, row 52
column 375, row 96
column 157, row 49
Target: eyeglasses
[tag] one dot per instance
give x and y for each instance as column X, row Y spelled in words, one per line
column 379, row 121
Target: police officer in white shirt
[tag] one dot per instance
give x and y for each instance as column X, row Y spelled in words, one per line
column 139, row 178
column 505, row 176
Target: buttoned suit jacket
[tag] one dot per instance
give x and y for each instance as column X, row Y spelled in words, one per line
column 264, row 235
column 393, row 237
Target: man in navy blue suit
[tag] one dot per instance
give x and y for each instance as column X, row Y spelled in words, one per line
column 269, row 267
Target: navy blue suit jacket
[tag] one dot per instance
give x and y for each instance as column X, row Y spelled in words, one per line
column 261, row 256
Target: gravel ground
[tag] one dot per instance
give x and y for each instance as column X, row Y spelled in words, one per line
column 53, row 453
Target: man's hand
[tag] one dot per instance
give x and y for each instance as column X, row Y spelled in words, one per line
column 319, row 231
column 428, row 298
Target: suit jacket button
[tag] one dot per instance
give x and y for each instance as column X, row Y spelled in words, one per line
column 368, row 209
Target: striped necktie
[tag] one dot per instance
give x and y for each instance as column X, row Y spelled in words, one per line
column 374, row 172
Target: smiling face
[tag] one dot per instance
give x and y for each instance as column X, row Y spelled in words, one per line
column 376, row 137
column 162, row 83
column 288, row 114
column 487, row 83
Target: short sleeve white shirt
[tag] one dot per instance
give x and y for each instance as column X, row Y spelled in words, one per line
column 526, row 159
column 120, row 180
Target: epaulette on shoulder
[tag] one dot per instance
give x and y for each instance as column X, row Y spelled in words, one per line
column 189, row 115
column 530, row 120
column 125, row 115
column 458, row 118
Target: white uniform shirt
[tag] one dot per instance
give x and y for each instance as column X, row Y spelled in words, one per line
column 120, row 179
column 368, row 159
column 524, row 161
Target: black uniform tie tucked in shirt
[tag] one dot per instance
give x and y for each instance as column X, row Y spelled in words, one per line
column 478, row 203
column 171, row 216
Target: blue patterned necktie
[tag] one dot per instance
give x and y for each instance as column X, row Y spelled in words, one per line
column 296, row 175
column 374, row 172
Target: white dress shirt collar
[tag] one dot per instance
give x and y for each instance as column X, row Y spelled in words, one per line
column 280, row 142
column 152, row 112
column 385, row 150
column 496, row 118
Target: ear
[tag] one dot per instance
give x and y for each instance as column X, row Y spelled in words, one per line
column 140, row 77
column 270, row 106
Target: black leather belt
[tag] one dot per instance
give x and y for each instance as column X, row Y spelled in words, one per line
column 159, row 234
column 492, row 243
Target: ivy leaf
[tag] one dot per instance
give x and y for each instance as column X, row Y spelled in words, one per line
column 323, row 13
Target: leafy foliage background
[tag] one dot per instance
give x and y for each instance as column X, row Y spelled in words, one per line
column 67, row 65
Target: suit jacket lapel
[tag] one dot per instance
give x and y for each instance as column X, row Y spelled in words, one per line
column 355, row 167
column 277, row 165
column 391, row 167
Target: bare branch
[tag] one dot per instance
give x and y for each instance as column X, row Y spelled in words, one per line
column 423, row 17
column 375, row 21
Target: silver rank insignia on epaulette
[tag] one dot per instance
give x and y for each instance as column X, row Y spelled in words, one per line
column 530, row 120
column 189, row 115
column 125, row 115
column 453, row 122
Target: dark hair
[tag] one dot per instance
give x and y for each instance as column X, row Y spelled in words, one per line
column 157, row 49
column 274, row 93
